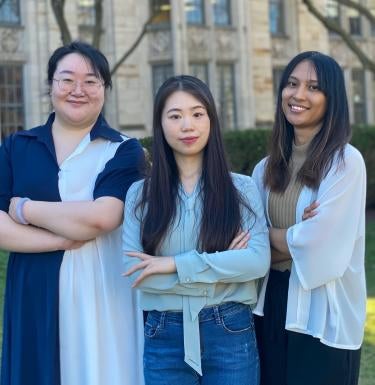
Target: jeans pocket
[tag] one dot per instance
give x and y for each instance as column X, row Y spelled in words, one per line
column 152, row 325
column 238, row 322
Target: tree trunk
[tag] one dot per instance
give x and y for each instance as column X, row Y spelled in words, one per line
column 98, row 23
column 58, row 10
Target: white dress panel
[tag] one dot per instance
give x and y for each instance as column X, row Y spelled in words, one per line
column 101, row 324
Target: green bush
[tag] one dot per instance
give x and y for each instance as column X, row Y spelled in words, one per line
column 245, row 148
column 364, row 140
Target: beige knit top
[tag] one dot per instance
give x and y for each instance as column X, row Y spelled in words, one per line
column 282, row 206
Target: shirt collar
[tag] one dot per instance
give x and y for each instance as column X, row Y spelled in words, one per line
column 100, row 129
column 43, row 134
column 197, row 190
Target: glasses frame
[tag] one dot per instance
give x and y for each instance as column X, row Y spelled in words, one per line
column 88, row 89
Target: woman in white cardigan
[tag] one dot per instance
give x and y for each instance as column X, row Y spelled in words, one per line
column 313, row 186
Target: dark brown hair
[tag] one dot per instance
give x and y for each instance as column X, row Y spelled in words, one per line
column 330, row 140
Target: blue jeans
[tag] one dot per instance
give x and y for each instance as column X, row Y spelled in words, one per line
column 228, row 348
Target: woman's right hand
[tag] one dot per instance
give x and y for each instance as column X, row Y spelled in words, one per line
column 240, row 241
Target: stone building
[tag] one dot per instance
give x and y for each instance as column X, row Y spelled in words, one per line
column 239, row 47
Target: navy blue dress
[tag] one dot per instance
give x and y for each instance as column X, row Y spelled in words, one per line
column 29, row 168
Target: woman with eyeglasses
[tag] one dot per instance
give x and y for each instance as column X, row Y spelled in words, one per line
column 69, row 317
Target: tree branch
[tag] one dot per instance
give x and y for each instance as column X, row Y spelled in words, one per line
column 360, row 8
column 58, row 10
column 331, row 25
column 135, row 44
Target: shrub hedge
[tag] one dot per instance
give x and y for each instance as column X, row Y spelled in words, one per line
column 364, row 140
column 246, row 147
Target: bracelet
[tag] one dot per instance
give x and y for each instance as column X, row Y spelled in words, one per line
column 19, row 211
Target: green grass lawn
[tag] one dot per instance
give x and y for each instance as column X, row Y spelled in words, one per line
column 367, row 376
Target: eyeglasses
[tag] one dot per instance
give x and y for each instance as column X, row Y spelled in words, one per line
column 90, row 86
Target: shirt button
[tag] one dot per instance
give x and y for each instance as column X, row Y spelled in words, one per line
column 188, row 279
column 205, row 292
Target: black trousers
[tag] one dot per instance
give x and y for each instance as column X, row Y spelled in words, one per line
column 289, row 358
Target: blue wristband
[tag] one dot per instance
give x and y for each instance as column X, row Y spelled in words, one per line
column 19, row 211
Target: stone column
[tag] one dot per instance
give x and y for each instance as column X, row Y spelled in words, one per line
column 260, row 65
column 179, row 38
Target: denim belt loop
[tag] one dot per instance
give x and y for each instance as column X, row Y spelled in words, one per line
column 163, row 314
column 217, row 314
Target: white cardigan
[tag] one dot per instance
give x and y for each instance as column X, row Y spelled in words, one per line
column 327, row 289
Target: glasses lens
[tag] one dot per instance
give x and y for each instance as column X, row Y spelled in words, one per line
column 66, row 85
column 88, row 86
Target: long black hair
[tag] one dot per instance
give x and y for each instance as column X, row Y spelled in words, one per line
column 221, row 202
column 330, row 140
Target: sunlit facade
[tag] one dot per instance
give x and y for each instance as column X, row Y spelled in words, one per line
column 238, row 47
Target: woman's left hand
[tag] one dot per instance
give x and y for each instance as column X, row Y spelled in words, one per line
column 240, row 241
column 150, row 265
column 310, row 211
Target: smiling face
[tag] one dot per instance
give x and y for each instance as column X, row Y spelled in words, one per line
column 303, row 103
column 76, row 106
column 186, row 125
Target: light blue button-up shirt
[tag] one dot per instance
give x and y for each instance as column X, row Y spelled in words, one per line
column 202, row 279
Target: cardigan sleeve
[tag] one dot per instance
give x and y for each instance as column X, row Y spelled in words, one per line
column 258, row 177
column 232, row 265
column 131, row 241
column 258, row 174
column 322, row 247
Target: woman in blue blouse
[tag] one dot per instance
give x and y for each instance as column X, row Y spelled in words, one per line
column 69, row 316
column 196, row 242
